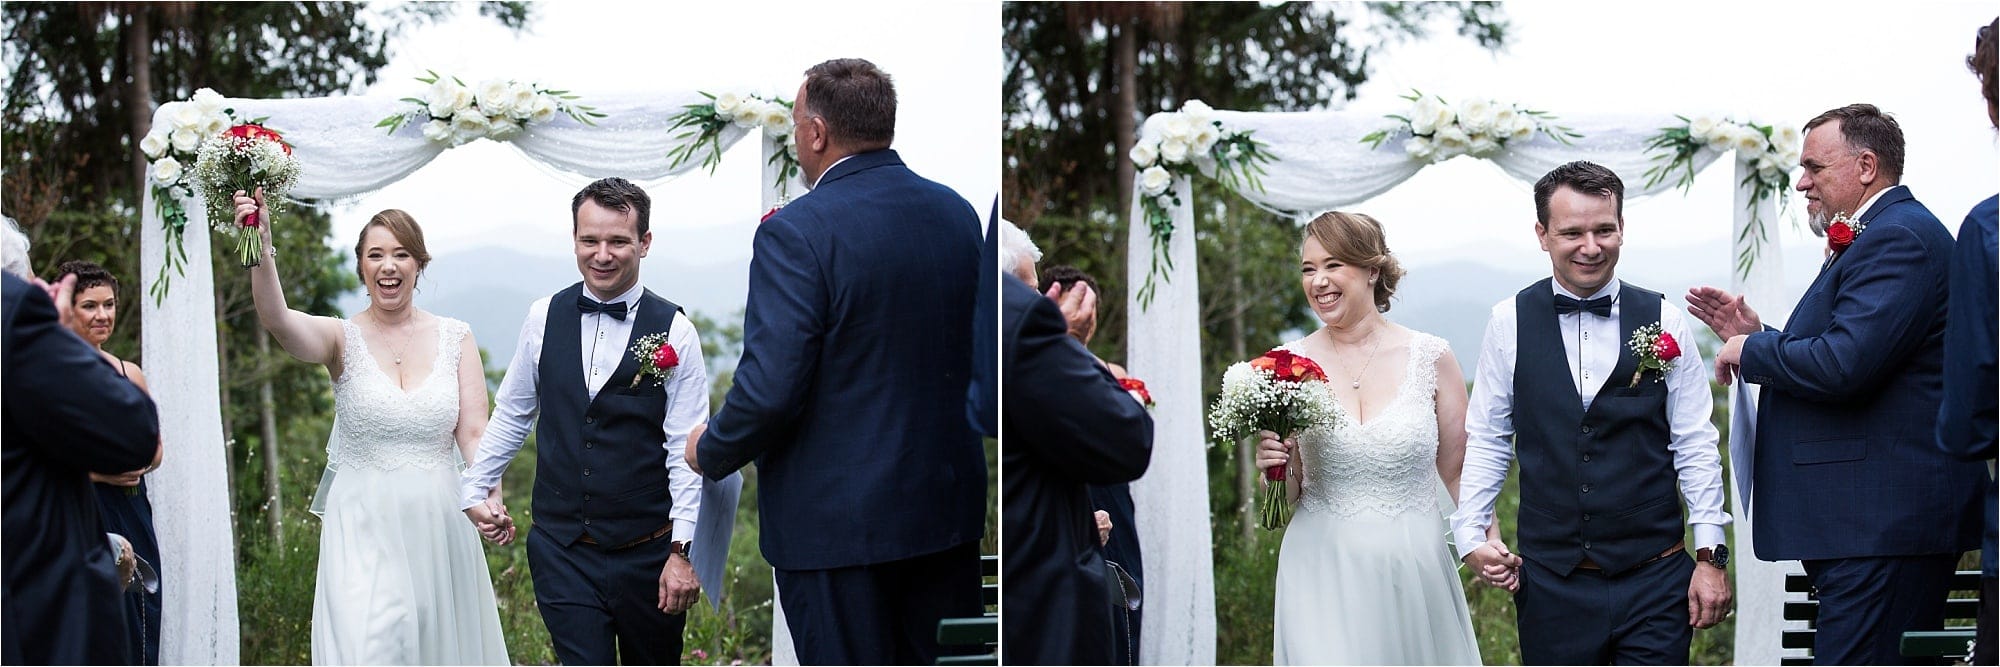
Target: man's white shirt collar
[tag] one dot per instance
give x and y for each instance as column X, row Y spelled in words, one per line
column 829, row 170
column 630, row 298
column 1608, row 289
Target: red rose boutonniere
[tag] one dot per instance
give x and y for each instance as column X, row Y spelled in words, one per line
column 657, row 359
column 1137, row 388
column 1656, row 350
column 1843, row 231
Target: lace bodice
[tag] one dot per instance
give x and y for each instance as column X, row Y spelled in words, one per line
column 379, row 425
column 1387, row 465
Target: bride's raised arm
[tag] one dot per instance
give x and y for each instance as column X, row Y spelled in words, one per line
column 310, row 338
column 1451, row 406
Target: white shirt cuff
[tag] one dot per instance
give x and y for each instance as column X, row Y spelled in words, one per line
column 683, row 530
column 1470, row 538
column 1707, row 535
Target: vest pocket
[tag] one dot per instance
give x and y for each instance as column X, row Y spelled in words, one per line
column 1830, row 451
column 656, row 488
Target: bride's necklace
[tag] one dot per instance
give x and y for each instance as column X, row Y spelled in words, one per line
column 394, row 349
column 1376, row 346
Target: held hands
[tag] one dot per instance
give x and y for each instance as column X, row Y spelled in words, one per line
column 490, row 517
column 121, row 479
column 1274, row 451
column 1708, row 596
column 1729, row 316
column 1079, row 308
column 679, row 589
column 1496, row 565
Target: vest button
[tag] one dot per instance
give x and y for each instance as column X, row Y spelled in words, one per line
column 589, row 420
column 1586, row 429
column 586, row 498
column 1586, row 544
column 590, row 445
column 1586, row 517
column 586, row 473
column 1586, row 487
column 587, row 522
column 1586, row 458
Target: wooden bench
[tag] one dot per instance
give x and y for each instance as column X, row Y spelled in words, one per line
column 1947, row 643
column 981, row 631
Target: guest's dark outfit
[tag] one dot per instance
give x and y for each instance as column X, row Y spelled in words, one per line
column 1967, row 418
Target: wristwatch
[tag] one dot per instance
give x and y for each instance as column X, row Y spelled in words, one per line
column 680, row 547
column 1718, row 556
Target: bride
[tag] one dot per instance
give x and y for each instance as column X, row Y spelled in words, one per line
column 402, row 576
column 1365, row 575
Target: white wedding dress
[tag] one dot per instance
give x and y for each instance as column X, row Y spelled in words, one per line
column 1365, row 576
column 402, row 575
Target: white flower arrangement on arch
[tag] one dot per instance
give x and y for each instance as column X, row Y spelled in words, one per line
column 499, row 109
column 1769, row 150
column 1478, row 127
column 701, row 126
column 1187, row 139
column 172, row 148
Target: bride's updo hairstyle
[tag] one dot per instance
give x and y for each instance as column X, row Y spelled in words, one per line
column 406, row 231
column 1355, row 239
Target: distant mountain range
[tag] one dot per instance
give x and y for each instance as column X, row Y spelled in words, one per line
column 707, row 271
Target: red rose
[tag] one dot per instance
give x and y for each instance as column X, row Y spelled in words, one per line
column 1839, row 235
column 768, row 214
column 1137, row 388
column 666, row 358
column 1289, row 367
column 1275, row 473
column 1666, row 348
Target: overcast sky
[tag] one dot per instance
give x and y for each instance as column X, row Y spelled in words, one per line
column 945, row 57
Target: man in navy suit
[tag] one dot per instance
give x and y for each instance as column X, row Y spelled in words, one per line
column 851, row 392
column 1845, row 476
column 67, row 413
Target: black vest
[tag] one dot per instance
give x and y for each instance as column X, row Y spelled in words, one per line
column 1597, row 483
column 599, row 464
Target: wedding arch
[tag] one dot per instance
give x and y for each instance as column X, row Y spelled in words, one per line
column 350, row 146
column 1299, row 164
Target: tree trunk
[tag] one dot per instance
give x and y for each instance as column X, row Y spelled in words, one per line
column 1246, row 466
column 222, row 382
column 268, row 412
column 1124, row 117
column 139, row 95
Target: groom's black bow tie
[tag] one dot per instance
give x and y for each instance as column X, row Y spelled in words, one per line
column 615, row 309
column 1600, row 306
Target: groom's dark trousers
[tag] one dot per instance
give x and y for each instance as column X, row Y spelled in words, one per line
column 850, row 396
column 1848, row 477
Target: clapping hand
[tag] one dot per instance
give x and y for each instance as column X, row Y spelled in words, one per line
column 1728, row 315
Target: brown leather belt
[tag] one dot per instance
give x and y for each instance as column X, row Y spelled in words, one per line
column 1679, row 547
column 657, row 534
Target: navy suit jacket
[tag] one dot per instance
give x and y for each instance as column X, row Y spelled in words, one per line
column 1065, row 424
column 1845, row 463
column 67, row 413
column 851, row 392
column 1967, row 419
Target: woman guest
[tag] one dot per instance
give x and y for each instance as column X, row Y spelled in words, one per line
column 121, row 499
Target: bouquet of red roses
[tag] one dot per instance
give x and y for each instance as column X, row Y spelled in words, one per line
column 1279, row 392
column 245, row 157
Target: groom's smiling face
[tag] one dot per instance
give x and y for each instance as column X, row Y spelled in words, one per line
column 608, row 249
column 1582, row 237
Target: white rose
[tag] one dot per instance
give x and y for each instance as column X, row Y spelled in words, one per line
column 726, row 103
column 1166, row 201
column 776, row 119
column 747, row 115
column 155, row 143
column 521, row 101
column 1174, row 150
column 445, row 97
column 1177, row 127
column 1483, row 146
column 1790, row 157
column 1749, row 143
column 493, row 98
column 1154, row 180
column 1701, row 128
column 1476, row 116
column 1205, row 137
column 468, row 124
column 215, row 125
column 1768, row 164
column 1143, row 154
column 1504, row 118
column 166, row 171
column 438, row 131
column 1723, row 136
column 1235, row 152
column 187, row 140
column 1523, row 127
column 1419, row 148
column 209, row 102
column 1451, row 139
column 1197, row 111
column 545, row 109
column 1428, row 115
column 186, row 116
column 1786, row 139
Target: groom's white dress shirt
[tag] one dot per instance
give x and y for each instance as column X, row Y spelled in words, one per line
column 1592, row 345
column 606, row 342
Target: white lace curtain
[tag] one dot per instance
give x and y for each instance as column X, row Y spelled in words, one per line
column 1320, row 164
column 344, row 155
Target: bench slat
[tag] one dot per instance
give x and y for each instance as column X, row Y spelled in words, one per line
column 1936, row 643
column 1808, row 610
column 1797, row 639
column 968, row 631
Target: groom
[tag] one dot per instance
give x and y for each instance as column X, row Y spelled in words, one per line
column 850, row 395
column 1607, row 451
column 614, row 503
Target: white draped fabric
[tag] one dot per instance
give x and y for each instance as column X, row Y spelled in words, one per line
column 344, row 155
column 1319, row 163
